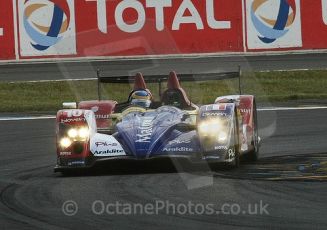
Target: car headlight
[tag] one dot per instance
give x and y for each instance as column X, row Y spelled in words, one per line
column 65, row 142
column 210, row 128
column 72, row 133
column 214, row 128
column 76, row 134
column 204, row 127
column 83, row 133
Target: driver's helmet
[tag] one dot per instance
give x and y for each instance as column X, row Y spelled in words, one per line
column 141, row 98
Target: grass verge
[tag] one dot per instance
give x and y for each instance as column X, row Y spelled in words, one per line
column 267, row 87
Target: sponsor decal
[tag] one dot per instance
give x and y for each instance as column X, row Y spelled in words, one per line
column 105, row 144
column 65, row 153
column 102, row 116
column 46, row 27
column 213, row 114
column 68, row 120
column 221, row 147
column 219, row 107
column 145, row 131
column 273, row 24
column 73, row 113
column 210, row 157
column 76, row 163
column 178, row 149
column 95, row 109
column 231, row 153
column 216, row 107
column 247, row 111
column 179, row 141
column 108, row 152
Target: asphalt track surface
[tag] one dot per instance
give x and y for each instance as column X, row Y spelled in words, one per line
column 85, row 69
column 32, row 195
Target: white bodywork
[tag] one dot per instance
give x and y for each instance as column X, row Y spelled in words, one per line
column 102, row 145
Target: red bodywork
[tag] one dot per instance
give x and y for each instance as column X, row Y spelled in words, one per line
column 73, row 118
column 102, row 111
column 246, row 107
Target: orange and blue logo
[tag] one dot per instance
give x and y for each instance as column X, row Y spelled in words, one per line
column 45, row 36
column 272, row 29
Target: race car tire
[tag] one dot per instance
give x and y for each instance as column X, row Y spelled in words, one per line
column 254, row 154
column 236, row 162
column 71, row 172
column 66, row 173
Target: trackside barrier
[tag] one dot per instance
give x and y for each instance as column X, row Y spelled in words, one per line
column 47, row 29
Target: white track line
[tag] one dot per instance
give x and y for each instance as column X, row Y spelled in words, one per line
column 59, row 80
column 292, row 108
column 26, row 118
column 261, row 109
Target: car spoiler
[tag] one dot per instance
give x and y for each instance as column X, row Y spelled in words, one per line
column 162, row 78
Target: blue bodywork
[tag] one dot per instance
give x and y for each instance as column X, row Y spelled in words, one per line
column 165, row 131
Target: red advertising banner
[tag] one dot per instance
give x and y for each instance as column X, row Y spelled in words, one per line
column 314, row 24
column 102, row 28
column 151, row 27
column 7, row 37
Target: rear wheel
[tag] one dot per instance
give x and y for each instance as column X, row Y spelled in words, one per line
column 236, row 145
column 254, row 154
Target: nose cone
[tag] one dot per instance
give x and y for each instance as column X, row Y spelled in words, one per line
column 143, row 134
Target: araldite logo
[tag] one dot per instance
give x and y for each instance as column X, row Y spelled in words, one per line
column 46, row 27
column 273, row 24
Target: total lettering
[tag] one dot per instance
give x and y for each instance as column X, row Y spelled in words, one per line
column 159, row 9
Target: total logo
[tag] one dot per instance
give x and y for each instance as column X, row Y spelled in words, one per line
column 46, row 27
column 273, row 24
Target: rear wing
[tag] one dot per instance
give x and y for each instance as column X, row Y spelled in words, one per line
column 162, row 78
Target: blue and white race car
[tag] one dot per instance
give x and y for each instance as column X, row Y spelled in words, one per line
column 142, row 128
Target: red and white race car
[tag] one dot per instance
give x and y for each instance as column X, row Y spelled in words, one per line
column 142, row 128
